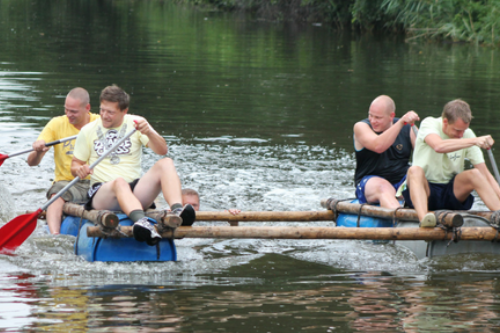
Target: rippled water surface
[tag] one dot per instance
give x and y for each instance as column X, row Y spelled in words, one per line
column 258, row 115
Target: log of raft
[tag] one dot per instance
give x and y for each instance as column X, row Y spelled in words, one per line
column 289, row 232
column 297, row 216
column 446, row 218
column 105, row 218
column 109, row 219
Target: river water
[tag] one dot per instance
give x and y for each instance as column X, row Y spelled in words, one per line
column 258, row 115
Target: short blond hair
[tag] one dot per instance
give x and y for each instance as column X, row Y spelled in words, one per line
column 190, row 191
column 457, row 109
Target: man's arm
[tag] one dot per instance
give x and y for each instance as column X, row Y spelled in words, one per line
column 156, row 142
column 80, row 168
column 36, row 156
column 491, row 180
column 365, row 137
column 450, row 145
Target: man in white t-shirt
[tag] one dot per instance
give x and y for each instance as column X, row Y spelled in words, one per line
column 437, row 179
column 116, row 182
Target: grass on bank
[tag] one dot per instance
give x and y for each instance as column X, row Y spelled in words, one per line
column 454, row 20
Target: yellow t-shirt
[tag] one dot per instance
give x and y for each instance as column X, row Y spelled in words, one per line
column 124, row 162
column 441, row 167
column 56, row 129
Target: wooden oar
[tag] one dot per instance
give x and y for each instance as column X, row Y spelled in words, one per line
column 3, row 157
column 16, row 231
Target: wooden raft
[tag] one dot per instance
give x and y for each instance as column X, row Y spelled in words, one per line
column 293, row 232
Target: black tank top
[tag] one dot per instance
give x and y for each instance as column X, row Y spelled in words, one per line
column 392, row 164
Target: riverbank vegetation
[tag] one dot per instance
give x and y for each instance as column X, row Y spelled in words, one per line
column 453, row 20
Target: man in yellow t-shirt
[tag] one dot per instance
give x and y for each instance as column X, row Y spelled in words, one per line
column 77, row 110
column 437, row 179
column 116, row 182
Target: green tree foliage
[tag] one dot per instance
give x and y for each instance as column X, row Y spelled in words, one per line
column 456, row 20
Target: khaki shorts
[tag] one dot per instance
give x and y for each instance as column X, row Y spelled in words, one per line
column 76, row 193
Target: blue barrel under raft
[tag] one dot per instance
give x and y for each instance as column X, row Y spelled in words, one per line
column 351, row 220
column 115, row 249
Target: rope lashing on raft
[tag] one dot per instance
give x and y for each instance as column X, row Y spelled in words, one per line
column 395, row 216
column 359, row 214
column 332, row 203
column 454, row 228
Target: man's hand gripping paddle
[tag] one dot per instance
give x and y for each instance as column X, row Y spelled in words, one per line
column 16, row 231
column 3, row 157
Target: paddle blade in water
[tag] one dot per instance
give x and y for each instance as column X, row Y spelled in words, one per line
column 3, row 157
column 16, row 231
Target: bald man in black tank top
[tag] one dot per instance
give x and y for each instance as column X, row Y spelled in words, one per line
column 383, row 146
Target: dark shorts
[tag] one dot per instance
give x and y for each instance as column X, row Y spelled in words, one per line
column 93, row 190
column 360, row 188
column 76, row 193
column 442, row 197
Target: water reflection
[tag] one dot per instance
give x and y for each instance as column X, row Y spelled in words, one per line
column 276, row 293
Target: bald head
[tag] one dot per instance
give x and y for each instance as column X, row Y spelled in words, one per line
column 80, row 94
column 384, row 103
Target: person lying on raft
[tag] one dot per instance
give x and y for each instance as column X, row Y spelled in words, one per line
column 116, row 182
column 437, row 179
column 190, row 196
column 383, row 146
column 77, row 115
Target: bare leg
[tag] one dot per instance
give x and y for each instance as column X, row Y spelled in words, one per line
column 419, row 190
column 54, row 213
column 161, row 177
column 116, row 195
column 473, row 179
column 380, row 190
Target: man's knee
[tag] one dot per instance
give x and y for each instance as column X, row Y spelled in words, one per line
column 415, row 172
column 120, row 185
column 379, row 186
column 473, row 173
column 165, row 164
column 384, row 188
column 472, row 176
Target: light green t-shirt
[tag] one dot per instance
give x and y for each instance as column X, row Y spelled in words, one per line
column 124, row 161
column 441, row 167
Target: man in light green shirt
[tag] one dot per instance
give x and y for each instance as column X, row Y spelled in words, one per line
column 437, row 179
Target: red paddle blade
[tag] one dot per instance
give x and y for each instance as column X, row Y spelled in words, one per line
column 16, row 231
column 3, row 157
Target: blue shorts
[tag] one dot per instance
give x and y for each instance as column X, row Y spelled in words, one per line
column 360, row 188
column 442, row 197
